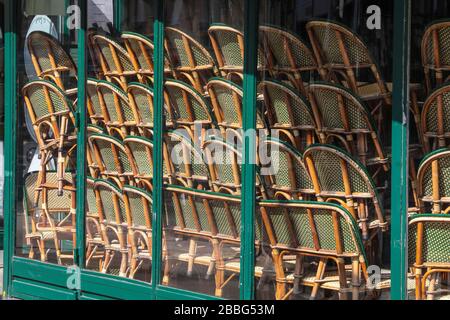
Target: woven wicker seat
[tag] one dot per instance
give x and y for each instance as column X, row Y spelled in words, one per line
column 119, row 117
column 436, row 119
column 287, row 56
column 228, row 45
column 284, row 171
column 433, row 188
column 112, row 215
column 185, row 160
column 138, row 204
column 340, row 115
column 50, row 60
column 338, row 176
column 288, row 113
column 322, row 230
column 436, row 54
column 114, row 60
column 53, row 122
column 111, row 158
column 140, row 49
column 188, row 108
column 429, row 255
column 188, row 58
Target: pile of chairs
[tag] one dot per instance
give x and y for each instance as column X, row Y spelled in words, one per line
column 322, row 167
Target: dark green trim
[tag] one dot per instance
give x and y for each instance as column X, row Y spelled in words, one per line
column 246, row 278
column 31, row 290
column 10, row 156
column 142, row 86
column 158, row 122
column 118, row 14
column 168, row 293
column 79, row 254
column 41, row 272
column 400, row 141
column 432, row 154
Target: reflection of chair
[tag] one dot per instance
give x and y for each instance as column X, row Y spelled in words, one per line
column 435, row 54
column 111, row 158
column 284, row 171
column 94, row 106
column 339, row 177
column 287, row 56
column 94, row 240
column 138, row 205
column 188, row 58
column 49, row 58
column 228, row 45
column 90, row 156
column 433, row 187
column 140, row 98
column 320, row 230
column 428, row 239
column 188, row 108
column 140, row 50
column 118, row 116
column 341, row 115
column 54, row 125
column 112, row 213
column 288, row 113
column 185, row 160
column 140, row 155
column 114, row 60
column 436, row 119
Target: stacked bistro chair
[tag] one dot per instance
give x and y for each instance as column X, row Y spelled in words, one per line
column 435, row 119
column 339, row 177
column 435, row 54
column 140, row 99
column 50, row 60
column 433, row 188
column 112, row 215
column 288, row 113
column 94, row 106
column 140, row 154
column 119, row 117
column 228, row 46
column 188, row 58
column 189, row 109
column 140, row 49
column 288, row 57
column 226, row 102
column 138, row 206
column 323, row 231
column 111, row 158
column 90, row 157
column 95, row 243
column 114, row 60
column 185, row 161
column 429, row 256
column 283, row 171
column 54, row 125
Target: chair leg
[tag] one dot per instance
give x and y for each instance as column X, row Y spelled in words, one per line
column 342, row 279
column 192, row 252
column 297, row 273
column 123, row 264
column 418, row 280
column 319, row 275
column 356, row 279
column 108, row 258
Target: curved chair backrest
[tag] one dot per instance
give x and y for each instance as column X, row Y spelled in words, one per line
column 47, row 105
column 310, row 228
column 336, row 174
column 287, row 54
column 91, row 199
column 187, row 105
column 338, row 49
column 185, row 160
column 428, row 236
column 287, row 111
column 49, row 58
column 226, row 100
column 140, row 155
column 436, row 119
column 117, row 112
column 436, row 54
column 432, row 181
column 114, row 59
column 29, row 205
column 285, row 168
column 138, row 204
column 188, row 57
column 91, row 161
column 140, row 98
column 110, row 156
column 94, row 106
column 111, row 206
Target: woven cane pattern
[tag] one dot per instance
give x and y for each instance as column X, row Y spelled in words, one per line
column 142, row 153
column 201, row 213
column 430, row 112
column 91, row 200
column 224, row 96
column 426, row 172
column 229, row 45
column 443, row 36
column 94, row 99
column 107, row 202
column 36, row 92
column 104, row 44
column 137, row 208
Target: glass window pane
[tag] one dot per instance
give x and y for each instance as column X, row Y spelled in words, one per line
column 203, row 145
column 325, row 93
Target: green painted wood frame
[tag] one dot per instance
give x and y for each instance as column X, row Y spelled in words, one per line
column 29, row 279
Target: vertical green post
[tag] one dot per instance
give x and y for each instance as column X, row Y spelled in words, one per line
column 118, row 14
column 248, row 167
column 157, row 142
column 400, row 141
column 81, row 136
column 10, row 193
